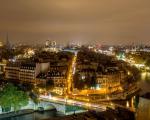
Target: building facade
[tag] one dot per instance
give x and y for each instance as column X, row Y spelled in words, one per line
column 25, row 72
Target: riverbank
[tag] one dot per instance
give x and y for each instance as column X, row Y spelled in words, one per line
column 120, row 96
column 20, row 113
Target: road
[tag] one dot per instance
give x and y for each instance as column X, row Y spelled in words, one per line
column 70, row 73
column 67, row 101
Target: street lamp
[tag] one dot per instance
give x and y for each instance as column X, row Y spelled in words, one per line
column 88, row 99
column 66, row 99
column 63, row 90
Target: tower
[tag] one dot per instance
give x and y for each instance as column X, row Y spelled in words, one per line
column 47, row 43
column 8, row 45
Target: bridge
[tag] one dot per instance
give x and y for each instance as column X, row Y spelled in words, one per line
column 97, row 106
column 71, row 102
column 50, row 105
column 46, row 105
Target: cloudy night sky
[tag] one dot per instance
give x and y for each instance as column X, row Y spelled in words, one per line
column 77, row 21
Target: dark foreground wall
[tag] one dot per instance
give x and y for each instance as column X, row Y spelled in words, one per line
column 118, row 114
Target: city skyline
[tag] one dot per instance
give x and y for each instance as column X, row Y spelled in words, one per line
column 81, row 21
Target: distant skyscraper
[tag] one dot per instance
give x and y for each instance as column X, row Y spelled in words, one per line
column 8, row 45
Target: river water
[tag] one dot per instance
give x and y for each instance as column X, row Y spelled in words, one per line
column 143, row 109
column 144, row 82
column 35, row 116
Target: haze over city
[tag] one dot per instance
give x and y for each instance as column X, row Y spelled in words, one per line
column 77, row 21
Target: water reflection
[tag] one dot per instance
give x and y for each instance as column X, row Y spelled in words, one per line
column 139, row 104
column 133, row 102
column 36, row 116
column 143, row 111
column 145, row 76
column 144, row 82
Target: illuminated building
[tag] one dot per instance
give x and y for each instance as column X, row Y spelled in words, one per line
column 99, row 75
column 28, row 53
column 47, row 43
column 58, row 74
column 29, row 71
column 12, row 70
column 25, row 71
column 109, row 81
column 2, row 66
column 50, row 46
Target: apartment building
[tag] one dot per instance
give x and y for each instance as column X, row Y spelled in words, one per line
column 25, row 71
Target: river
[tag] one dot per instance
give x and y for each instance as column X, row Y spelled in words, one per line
column 143, row 109
column 35, row 116
column 144, row 82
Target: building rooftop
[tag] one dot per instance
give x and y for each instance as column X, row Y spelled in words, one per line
column 13, row 64
column 26, row 64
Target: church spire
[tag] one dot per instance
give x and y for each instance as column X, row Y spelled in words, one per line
column 7, row 41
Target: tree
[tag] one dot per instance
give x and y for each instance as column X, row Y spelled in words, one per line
column 78, row 82
column 11, row 97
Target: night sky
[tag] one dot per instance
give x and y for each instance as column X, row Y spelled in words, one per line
column 77, row 21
